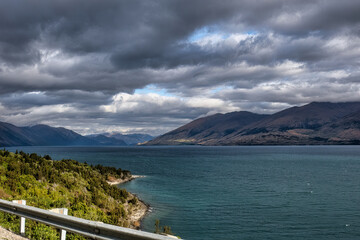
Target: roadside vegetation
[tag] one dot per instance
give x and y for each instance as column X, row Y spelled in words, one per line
column 48, row 184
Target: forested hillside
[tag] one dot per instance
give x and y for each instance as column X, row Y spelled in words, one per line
column 47, row 184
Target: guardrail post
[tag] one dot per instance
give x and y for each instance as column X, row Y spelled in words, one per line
column 22, row 219
column 63, row 211
column 87, row 228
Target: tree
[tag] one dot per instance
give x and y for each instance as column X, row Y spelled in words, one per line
column 157, row 226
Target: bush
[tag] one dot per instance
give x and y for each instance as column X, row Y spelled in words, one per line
column 46, row 184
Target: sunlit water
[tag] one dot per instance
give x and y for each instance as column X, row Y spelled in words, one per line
column 306, row 192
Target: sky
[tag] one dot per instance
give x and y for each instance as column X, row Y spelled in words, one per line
column 151, row 66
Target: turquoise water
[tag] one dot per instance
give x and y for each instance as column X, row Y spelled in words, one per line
column 292, row 192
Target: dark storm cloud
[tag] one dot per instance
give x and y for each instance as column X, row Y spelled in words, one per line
column 74, row 58
column 319, row 17
column 81, row 99
column 136, row 34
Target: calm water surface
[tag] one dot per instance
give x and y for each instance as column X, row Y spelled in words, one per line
column 303, row 192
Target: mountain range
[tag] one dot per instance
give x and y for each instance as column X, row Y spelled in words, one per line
column 126, row 139
column 314, row 123
column 43, row 135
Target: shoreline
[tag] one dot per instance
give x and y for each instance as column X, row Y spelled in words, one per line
column 120, row 181
column 138, row 214
column 138, row 211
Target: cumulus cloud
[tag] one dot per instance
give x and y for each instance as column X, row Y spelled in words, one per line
column 87, row 60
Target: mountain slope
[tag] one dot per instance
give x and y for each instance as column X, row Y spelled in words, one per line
column 345, row 129
column 309, row 116
column 130, row 139
column 314, row 123
column 109, row 141
column 11, row 135
column 43, row 135
column 207, row 129
column 296, row 125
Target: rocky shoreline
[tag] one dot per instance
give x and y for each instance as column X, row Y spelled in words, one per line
column 117, row 181
column 136, row 211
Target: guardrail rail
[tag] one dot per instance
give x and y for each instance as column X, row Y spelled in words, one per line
column 87, row 228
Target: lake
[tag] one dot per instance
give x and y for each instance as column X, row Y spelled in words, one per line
column 246, row 192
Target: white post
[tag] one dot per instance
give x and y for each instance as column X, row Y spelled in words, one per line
column 22, row 219
column 63, row 211
column 63, row 232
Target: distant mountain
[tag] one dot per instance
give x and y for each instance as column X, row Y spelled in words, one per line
column 109, row 141
column 43, row 135
column 314, row 123
column 130, row 139
column 40, row 135
column 207, row 130
column 11, row 135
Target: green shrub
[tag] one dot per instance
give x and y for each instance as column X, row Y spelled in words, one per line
column 46, row 184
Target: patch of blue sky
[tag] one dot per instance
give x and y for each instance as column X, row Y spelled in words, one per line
column 207, row 31
column 198, row 34
column 204, row 32
column 152, row 88
column 220, row 88
column 252, row 32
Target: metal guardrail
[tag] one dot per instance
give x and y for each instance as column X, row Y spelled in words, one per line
column 87, row 228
